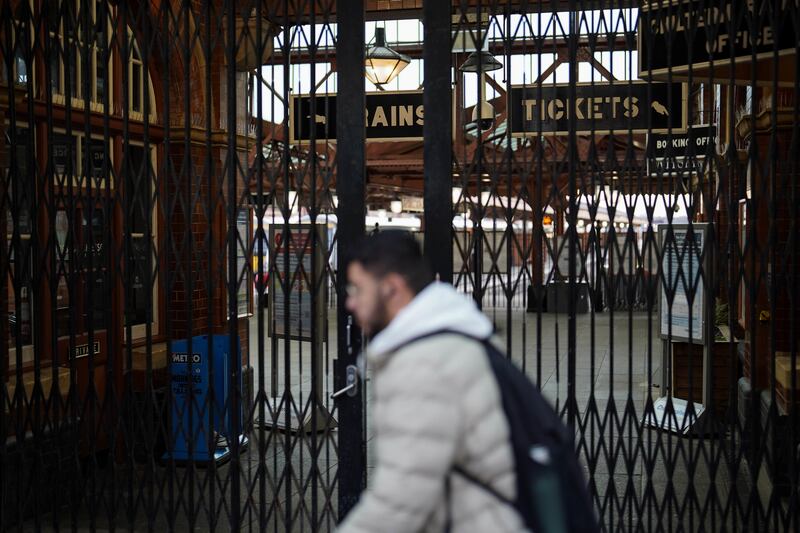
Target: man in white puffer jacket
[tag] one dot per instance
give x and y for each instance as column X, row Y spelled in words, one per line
column 435, row 401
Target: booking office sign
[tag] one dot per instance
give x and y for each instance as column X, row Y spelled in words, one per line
column 720, row 39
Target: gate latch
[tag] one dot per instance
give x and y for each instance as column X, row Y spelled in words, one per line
column 351, row 383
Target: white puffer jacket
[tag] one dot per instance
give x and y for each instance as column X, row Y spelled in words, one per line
column 435, row 403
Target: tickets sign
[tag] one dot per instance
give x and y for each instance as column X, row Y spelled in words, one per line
column 624, row 106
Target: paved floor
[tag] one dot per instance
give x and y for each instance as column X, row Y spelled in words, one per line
column 641, row 479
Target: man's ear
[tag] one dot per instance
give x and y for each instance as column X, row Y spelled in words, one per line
column 395, row 283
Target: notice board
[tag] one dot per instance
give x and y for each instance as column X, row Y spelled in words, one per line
column 684, row 267
column 298, row 281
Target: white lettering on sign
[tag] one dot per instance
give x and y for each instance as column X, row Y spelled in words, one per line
column 682, row 142
column 380, row 117
column 406, row 115
column 395, row 115
column 179, row 357
column 83, row 349
column 598, row 107
column 714, row 16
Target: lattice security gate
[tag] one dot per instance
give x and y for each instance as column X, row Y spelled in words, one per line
column 614, row 183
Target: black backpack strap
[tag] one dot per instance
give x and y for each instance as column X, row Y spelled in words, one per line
column 437, row 333
column 488, row 488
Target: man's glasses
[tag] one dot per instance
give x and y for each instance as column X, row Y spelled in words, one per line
column 351, row 290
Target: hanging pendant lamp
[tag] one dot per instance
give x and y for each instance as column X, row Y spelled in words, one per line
column 381, row 63
column 482, row 60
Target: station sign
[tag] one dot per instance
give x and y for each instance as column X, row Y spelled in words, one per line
column 636, row 106
column 702, row 34
column 680, row 153
column 390, row 116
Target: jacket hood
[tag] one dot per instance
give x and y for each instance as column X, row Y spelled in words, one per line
column 438, row 307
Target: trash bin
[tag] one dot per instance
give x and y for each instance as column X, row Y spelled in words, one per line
column 202, row 430
column 537, row 298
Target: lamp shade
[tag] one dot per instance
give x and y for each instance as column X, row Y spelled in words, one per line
column 483, row 61
column 396, row 206
column 381, row 63
column 247, row 57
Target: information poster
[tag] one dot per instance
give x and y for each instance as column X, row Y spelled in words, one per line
column 242, row 272
column 682, row 282
column 297, row 267
column 624, row 259
column 561, row 249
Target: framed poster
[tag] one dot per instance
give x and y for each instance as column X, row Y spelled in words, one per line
column 625, row 258
column 684, row 263
column 243, row 277
column 294, row 303
column 561, row 258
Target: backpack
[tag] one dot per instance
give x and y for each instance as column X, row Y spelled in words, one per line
column 552, row 494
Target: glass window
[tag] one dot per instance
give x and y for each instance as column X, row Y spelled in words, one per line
column 136, row 87
column 19, row 283
column 20, row 28
column 97, row 170
column 141, row 303
column 83, row 288
column 64, row 153
column 81, row 224
column 139, row 87
column 67, row 46
column 20, row 64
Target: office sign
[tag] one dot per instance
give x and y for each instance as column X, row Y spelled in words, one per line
column 390, row 116
column 680, row 153
column 699, row 33
column 598, row 109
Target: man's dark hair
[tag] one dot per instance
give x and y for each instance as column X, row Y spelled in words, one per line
column 394, row 251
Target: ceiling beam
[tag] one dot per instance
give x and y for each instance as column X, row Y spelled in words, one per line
column 548, row 45
column 378, row 10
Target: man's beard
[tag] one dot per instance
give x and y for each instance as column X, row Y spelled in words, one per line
column 379, row 320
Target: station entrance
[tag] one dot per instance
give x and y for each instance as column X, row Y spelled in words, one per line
column 613, row 183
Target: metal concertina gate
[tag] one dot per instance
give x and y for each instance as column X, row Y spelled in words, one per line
column 613, row 182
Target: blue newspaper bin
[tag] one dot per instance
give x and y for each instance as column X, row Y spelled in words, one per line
column 223, row 387
column 192, row 427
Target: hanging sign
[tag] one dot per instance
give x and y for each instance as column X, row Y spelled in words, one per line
column 390, row 116
column 701, row 34
column 680, row 153
column 639, row 107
